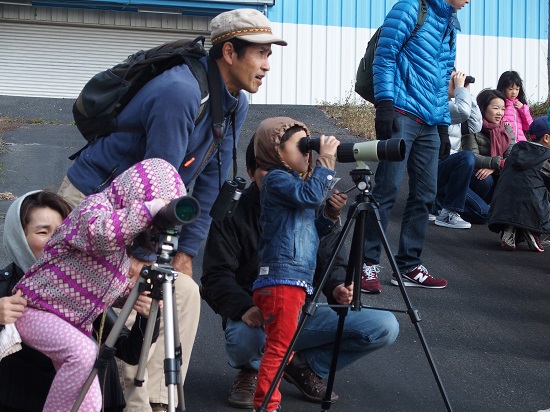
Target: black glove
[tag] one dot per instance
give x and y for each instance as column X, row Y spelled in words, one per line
column 383, row 121
column 445, row 145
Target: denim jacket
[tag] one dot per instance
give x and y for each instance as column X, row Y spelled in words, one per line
column 289, row 230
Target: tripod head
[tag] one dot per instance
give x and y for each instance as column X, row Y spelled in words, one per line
column 165, row 241
column 360, row 177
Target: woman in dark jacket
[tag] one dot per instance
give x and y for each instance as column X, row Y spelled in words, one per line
column 521, row 203
column 26, row 375
column 491, row 146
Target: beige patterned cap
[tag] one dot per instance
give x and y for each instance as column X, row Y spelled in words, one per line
column 246, row 24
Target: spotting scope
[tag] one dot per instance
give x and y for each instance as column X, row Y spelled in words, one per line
column 373, row 151
column 180, row 211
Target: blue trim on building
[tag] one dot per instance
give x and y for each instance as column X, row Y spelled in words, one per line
column 197, row 7
column 504, row 18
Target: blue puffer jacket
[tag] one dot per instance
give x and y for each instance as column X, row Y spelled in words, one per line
column 416, row 79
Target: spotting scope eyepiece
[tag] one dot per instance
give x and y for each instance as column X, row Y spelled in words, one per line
column 373, row 151
column 180, row 211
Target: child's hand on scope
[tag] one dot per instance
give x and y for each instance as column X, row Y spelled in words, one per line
column 328, row 145
column 327, row 151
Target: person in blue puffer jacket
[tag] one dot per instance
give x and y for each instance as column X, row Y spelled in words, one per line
column 411, row 77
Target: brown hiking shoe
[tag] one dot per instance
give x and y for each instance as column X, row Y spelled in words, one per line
column 300, row 375
column 241, row 394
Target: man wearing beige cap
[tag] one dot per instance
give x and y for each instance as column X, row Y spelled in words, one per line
column 164, row 111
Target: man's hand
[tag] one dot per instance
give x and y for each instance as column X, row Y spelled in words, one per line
column 253, row 317
column 334, row 205
column 11, row 308
column 143, row 304
column 183, row 263
column 384, row 120
column 343, row 294
column 445, row 142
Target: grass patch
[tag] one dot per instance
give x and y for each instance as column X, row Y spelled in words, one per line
column 539, row 109
column 7, row 124
column 357, row 117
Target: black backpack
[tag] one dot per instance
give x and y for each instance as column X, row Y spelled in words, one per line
column 364, row 81
column 108, row 92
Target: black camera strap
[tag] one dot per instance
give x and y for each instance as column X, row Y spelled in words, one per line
column 234, row 145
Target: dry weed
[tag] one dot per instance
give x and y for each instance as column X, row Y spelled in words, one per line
column 358, row 118
column 7, row 196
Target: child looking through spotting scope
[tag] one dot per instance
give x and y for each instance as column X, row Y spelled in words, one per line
column 290, row 193
column 83, row 270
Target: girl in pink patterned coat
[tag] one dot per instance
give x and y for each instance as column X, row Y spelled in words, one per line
column 83, row 271
column 516, row 112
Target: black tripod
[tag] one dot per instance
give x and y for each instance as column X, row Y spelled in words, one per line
column 159, row 279
column 357, row 213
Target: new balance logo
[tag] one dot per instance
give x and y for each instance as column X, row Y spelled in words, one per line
column 421, row 277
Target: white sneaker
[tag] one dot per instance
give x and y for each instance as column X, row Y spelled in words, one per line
column 451, row 219
column 431, row 217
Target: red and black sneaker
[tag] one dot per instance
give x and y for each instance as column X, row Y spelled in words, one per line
column 419, row 277
column 533, row 241
column 369, row 279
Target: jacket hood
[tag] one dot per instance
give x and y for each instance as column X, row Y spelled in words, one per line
column 525, row 155
column 15, row 241
column 147, row 180
column 267, row 141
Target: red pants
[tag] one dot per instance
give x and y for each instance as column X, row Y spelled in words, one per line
column 280, row 306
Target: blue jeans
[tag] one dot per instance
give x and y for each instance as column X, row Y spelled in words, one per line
column 422, row 151
column 476, row 211
column 364, row 332
column 484, row 188
column 453, row 192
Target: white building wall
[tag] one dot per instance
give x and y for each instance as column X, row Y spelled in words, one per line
column 319, row 64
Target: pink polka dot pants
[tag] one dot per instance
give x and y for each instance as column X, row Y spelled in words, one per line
column 72, row 353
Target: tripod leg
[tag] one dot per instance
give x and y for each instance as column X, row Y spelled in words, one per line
column 170, row 364
column 107, row 349
column 353, row 273
column 412, row 311
column 178, row 357
column 342, row 313
column 147, row 338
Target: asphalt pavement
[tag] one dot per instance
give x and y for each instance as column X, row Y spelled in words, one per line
column 488, row 332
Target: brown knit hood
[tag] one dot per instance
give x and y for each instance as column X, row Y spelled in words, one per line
column 267, row 140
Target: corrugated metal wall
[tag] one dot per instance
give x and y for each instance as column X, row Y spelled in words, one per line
column 49, row 52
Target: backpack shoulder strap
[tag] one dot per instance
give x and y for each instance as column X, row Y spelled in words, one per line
column 420, row 19
column 218, row 120
column 422, row 14
column 199, row 72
